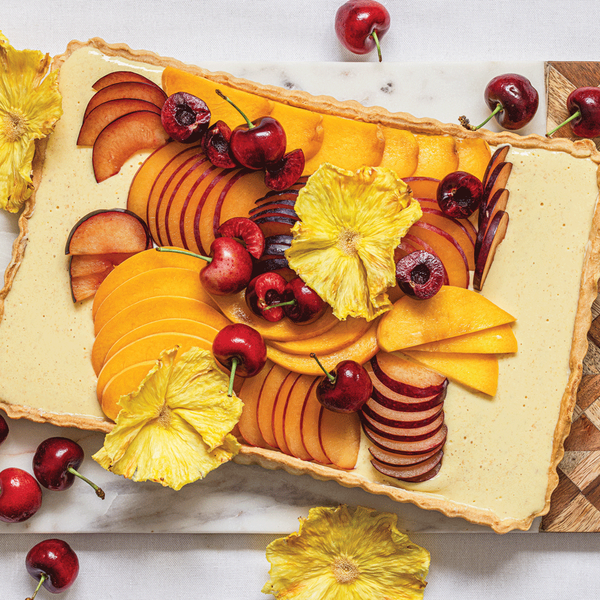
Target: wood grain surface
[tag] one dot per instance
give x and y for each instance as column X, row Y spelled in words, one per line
column 575, row 504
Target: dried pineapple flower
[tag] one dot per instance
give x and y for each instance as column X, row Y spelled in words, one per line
column 347, row 553
column 343, row 246
column 176, row 427
column 30, row 105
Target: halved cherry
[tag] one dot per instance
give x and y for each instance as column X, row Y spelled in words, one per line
column 420, row 274
column 246, row 230
column 185, row 117
column 215, row 144
column 281, row 175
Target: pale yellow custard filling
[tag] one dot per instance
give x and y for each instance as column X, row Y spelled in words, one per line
column 498, row 451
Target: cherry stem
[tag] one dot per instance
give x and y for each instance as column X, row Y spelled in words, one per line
column 329, row 375
column 376, row 38
column 278, row 304
column 234, row 364
column 250, row 124
column 99, row 492
column 39, row 585
column 177, row 251
column 573, row 116
column 465, row 122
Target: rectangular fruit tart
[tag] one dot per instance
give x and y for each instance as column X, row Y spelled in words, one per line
column 389, row 302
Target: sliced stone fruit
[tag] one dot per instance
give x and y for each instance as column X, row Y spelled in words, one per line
column 267, row 401
column 437, row 156
column 127, row 89
column 311, row 416
column 124, row 137
column 473, row 156
column 120, row 77
column 401, row 152
column 302, row 128
column 421, row 471
column 339, row 434
column 250, row 393
column 292, row 418
column 495, row 233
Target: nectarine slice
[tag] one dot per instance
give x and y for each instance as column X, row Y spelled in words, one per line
column 451, row 312
column 175, row 80
column 125, row 382
column 249, row 394
column 175, row 166
column 143, row 261
column 241, row 197
column 340, row 438
column 104, row 114
column 302, row 127
column 292, row 418
column 119, row 77
column 495, row 340
column 437, row 156
column 234, row 307
column 348, row 144
column 342, row 335
column 144, row 349
column 423, row 187
column 401, row 152
column 311, row 415
column 148, row 310
column 158, row 282
column 127, row 89
column 124, row 137
column 266, row 403
column 473, row 156
column 476, row 371
column 279, row 411
column 146, row 175
column 173, row 325
column 360, row 351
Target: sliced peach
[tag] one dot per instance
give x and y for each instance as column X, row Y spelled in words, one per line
column 451, row 312
column 466, row 225
column 119, row 77
column 145, row 349
column 360, row 351
column 437, row 156
column 152, row 309
column 423, row 187
column 342, row 335
column 170, row 171
column 266, row 403
column 146, row 175
column 473, row 156
column 250, row 394
column 124, row 137
column 401, row 152
column 292, row 418
column 279, row 411
column 447, row 249
column 348, row 144
column 125, row 382
column 234, row 307
column 174, row 325
column 476, row 371
column 158, row 282
column 311, row 416
column 104, row 114
column 143, row 261
column 495, row 340
column 241, row 197
column 302, row 128
column 340, row 438
column 127, row 89
column 176, row 80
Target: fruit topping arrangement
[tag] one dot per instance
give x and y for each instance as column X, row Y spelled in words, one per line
column 309, row 292
column 512, row 100
column 360, row 25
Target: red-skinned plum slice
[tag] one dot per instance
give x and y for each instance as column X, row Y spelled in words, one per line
column 499, row 201
column 497, row 180
column 434, row 442
column 127, row 89
column 215, row 144
column 399, row 402
column 396, row 418
column 109, row 231
column 397, row 459
column 411, row 473
column 498, row 157
column 405, row 377
column 494, row 235
column 120, row 77
column 403, row 434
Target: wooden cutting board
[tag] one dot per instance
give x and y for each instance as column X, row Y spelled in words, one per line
column 575, row 504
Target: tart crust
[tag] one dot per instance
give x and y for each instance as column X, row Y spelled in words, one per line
column 350, row 109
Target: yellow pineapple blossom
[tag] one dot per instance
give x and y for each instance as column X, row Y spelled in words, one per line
column 343, row 246
column 30, row 105
column 347, row 553
column 176, row 427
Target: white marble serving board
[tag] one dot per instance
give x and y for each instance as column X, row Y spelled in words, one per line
column 249, row 499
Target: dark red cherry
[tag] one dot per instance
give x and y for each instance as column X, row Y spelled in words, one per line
column 420, row 274
column 185, row 117
column 303, row 304
column 459, row 194
column 583, row 105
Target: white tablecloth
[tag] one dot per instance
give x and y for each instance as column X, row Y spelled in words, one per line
column 465, row 566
